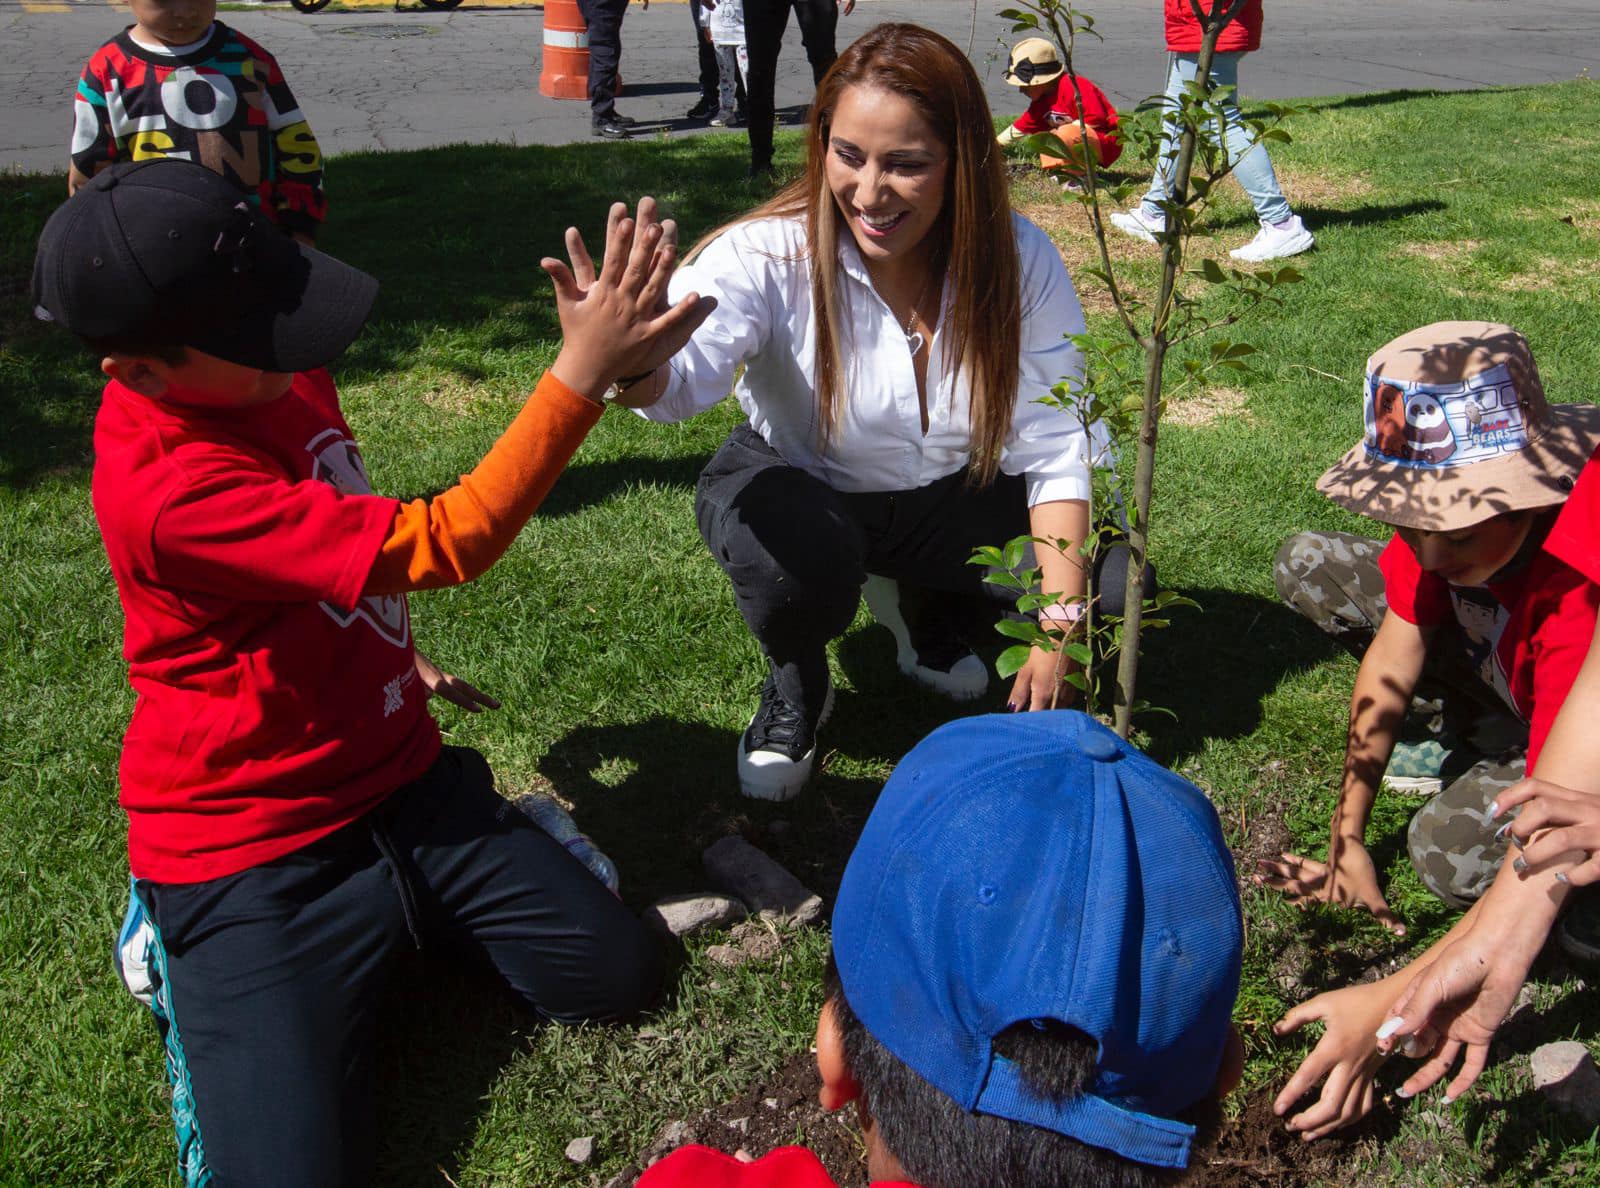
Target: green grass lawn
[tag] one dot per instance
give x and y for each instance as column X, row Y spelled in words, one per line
column 610, row 635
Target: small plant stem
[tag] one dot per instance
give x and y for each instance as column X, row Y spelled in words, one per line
column 1155, row 345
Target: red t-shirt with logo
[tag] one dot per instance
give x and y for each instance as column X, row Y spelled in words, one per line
column 786, row 1167
column 1527, row 635
column 274, row 703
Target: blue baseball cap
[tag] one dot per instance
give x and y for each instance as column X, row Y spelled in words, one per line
column 1022, row 867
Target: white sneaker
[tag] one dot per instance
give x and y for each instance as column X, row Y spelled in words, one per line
column 947, row 667
column 779, row 747
column 1137, row 224
column 1272, row 243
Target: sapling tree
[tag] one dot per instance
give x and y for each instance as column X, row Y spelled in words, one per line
column 1125, row 385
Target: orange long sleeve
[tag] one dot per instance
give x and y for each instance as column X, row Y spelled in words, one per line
column 457, row 535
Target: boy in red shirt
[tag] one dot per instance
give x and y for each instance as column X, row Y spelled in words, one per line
column 1036, row 951
column 1470, row 464
column 293, row 820
column 1074, row 115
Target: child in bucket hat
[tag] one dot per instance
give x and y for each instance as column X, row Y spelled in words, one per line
column 1464, row 457
column 1055, row 106
column 1036, row 951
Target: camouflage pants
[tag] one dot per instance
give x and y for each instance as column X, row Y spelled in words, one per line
column 1333, row 579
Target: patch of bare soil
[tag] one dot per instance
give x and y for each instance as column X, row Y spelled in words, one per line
column 1442, row 251
column 1211, row 407
column 781, row 1111
column 1307, row 188
column 1067, row 225
column 1254, row 1149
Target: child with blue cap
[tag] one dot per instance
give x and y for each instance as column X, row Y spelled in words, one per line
column 1036, row 951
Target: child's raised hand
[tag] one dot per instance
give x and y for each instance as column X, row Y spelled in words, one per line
column 616, row 322
column 1568, row 828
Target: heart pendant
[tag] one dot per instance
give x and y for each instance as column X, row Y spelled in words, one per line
column 914, row 341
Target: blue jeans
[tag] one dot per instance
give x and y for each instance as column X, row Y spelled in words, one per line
column 1253, row 169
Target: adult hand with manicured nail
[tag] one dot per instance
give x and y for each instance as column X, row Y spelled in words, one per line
column 1557, row 826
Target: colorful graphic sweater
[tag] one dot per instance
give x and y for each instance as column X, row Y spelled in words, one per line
column 224, row 105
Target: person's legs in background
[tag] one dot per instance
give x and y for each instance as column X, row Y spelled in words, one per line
column 819, row 21
column 1282, row 233
column 604, row 18
column 764, row 23
column 706, row 106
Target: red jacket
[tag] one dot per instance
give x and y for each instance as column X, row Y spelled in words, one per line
column 1183, row 30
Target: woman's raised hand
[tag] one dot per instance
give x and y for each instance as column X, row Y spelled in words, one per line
column 616, row 321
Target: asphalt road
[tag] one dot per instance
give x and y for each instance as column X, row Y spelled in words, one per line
column 379, row 79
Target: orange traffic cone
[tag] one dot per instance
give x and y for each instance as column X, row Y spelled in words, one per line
column 564, row 73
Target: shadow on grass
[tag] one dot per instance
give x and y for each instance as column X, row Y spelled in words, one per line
column 445, row 1033
column 1320, row 218
column 1213, row 667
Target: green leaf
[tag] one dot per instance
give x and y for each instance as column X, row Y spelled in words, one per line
column 1012, row 557
column 1012, row 659
column 1079, row 652
column 1027, row 631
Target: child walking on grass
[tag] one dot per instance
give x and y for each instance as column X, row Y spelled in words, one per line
column 179, row 83
column 1466, row 460
column 294, row 821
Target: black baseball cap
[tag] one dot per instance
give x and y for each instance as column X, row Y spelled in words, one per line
column 169, row 250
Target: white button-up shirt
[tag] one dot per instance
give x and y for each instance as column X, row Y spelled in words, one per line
column 765, row 321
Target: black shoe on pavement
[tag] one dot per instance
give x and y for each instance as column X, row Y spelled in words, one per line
column 780, row 744
column 704, row 110
column 611, row 129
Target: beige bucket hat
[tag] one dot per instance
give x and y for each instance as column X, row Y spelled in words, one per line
column 1457, row 430
column 1033, row 60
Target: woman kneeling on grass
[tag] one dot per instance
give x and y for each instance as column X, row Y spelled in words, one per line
column 896, row 323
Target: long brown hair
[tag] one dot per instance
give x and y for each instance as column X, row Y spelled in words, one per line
column 972, row 241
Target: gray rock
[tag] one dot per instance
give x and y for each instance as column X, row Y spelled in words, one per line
column 581, row 1150
column 685, row 915
column 1566, row 1074
column 767, row 889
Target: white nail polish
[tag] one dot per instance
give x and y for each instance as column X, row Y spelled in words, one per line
column 1402, row 1094
column 1390, row 1027
column 1494, row 809
column 1446, row 1099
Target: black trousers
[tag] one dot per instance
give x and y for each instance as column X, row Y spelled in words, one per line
column 267, row 980
column 604, row 18
column 764, row 23
column 708, row 57
column 797, row 551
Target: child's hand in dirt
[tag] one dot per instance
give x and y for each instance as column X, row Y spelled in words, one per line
column 616, row 322
column 1348, row 879
column 1568, row 825
column 1347, row 1056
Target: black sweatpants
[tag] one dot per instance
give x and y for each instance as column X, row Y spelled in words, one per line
column 268, row 980
column 797, row 551
column 707, row 57
column 764, row 23
column 604, row 18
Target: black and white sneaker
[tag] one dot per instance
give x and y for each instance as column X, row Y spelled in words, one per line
column 940, row 661
column 780, row 745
